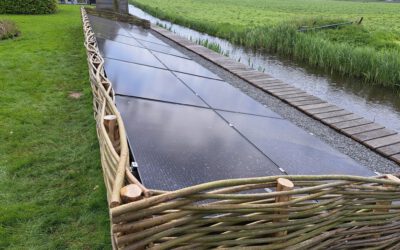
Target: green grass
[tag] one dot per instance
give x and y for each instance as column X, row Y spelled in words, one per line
column 370, row 51
column 211, row 45
column 51, row 187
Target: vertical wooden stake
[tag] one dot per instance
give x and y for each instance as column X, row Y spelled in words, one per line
column 283, row 185
column 110, row 123
column 385, row 203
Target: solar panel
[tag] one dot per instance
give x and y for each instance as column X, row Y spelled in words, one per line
column 221, row 95
column 119, row 51
column 121, row 39
column 177, row 146
column 146, row 82
column 178, row 141
column 292, row 148
column 141, row 34
column 164, row 49
column 186, row 66
column 106, row 27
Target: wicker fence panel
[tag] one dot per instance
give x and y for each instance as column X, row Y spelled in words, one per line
column 110, row 128
column 319, row 212
column 275, row 212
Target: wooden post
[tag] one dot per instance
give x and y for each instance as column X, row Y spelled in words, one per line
column 131, row 192
column 283, row 185
column 110, row 123
column 385, row 203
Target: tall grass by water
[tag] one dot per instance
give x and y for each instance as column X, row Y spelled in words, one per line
column 375, row 66
column 211, row 45
column 203, row 42
column 370, row 51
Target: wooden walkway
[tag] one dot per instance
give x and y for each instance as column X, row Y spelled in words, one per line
column 371, row 134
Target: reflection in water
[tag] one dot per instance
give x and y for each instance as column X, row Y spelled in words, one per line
column 374, row 103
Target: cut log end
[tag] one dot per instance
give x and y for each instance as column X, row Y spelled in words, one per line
column 284, row 184
column 131, row 192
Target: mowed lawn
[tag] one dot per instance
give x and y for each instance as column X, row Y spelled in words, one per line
column 51, row 186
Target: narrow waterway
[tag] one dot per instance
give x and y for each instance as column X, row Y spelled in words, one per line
column 374, row 103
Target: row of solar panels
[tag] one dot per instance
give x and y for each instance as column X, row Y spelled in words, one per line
column 187, row 126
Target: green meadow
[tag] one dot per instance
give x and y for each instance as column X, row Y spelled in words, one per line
column 52, row 194
column 369, row 51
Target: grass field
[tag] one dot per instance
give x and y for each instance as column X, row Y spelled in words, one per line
column 51, row 187
column 370, row 51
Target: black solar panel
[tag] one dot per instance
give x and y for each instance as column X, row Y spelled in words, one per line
column 146, row 82
column 121, row 39
column 140, row 33
column 162, row 48
column 221, row 95
column 177, row 146
column 178, row 140
column 106, row 27
column 186, row 66
column 119, row 51
column 293, row 149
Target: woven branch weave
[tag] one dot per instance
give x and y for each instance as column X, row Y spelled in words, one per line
column 320, row 212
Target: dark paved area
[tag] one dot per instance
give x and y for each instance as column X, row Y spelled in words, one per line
column 187, row 126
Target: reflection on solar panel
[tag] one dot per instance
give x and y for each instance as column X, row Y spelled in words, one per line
column 141, row 81
column 119, row 51
column 164, row 49
column 177, row 146
column 121, row 39
column 221, row 95
column 186, row 66
column 106, row 27
column 292, row 148
column 141, row 34
column 187, row 126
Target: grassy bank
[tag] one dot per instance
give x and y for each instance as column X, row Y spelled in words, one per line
column 370, row 51
column 51, row 186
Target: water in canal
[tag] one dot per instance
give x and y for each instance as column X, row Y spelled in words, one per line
column 374, row 103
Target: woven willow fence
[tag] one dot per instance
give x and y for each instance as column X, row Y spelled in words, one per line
column 275, row 212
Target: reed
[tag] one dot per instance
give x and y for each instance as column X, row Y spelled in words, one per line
column 203, row 42
column 211, row 45
column 374, row 66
